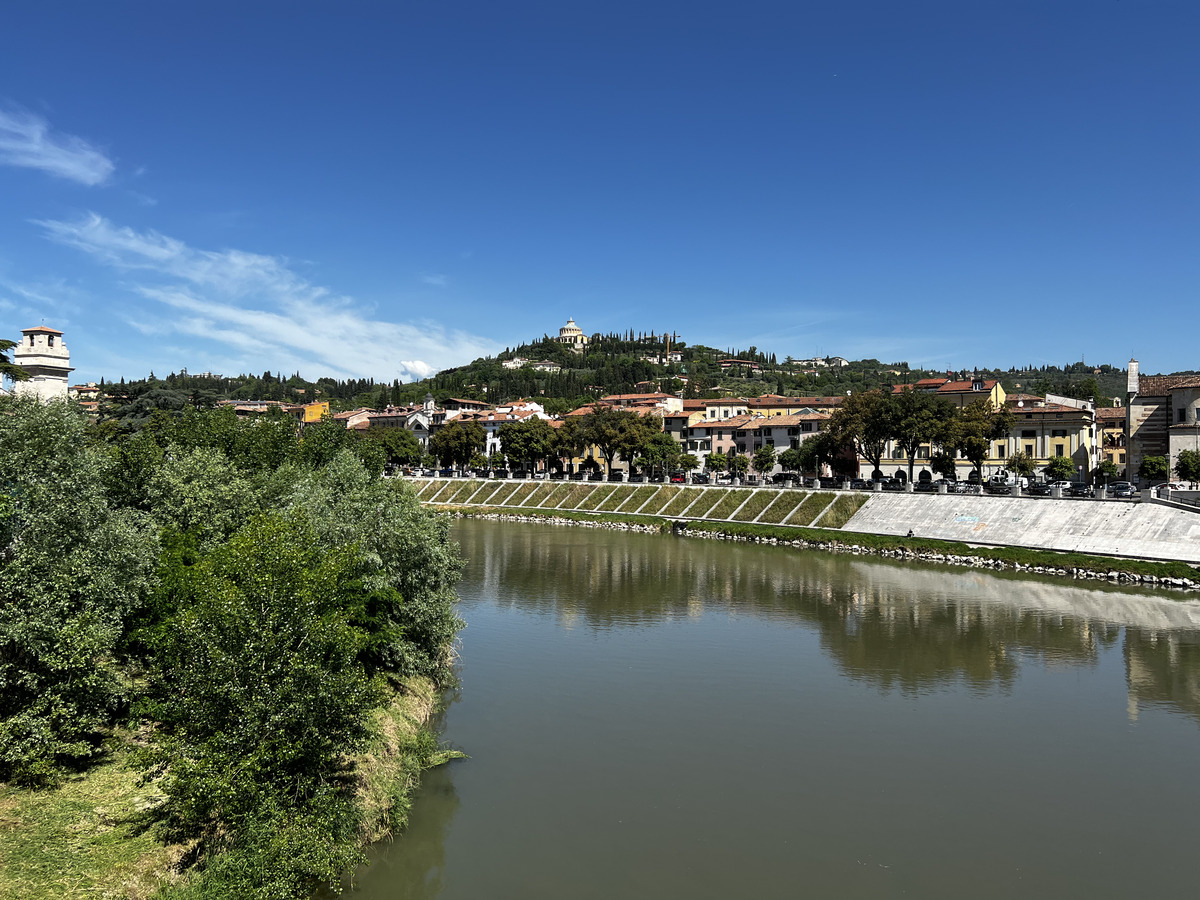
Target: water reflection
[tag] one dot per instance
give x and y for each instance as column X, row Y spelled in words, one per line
column 656, row 717
column 900, row 626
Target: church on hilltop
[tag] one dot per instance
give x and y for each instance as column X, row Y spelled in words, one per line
column 572, row 335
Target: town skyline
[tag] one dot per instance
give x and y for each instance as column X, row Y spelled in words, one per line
column 944, row 188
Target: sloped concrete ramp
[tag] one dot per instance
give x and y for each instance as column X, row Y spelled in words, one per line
column 1112, row 527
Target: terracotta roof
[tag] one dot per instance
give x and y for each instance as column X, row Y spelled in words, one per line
column 1161, row 385
column 40, row 329
column 1111, row 412
column 965, row 387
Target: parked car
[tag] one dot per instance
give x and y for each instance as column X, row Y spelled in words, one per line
column 679, row 478
column 1039, row 489
column 1162, row 489
column 892, row 484
column 1121, row 489
column 1064, row 486
column 925, row 487
column 1082, row 489
column 446, row 472
column 616, row 476
column 577, row 476
column 636, row 479
column 701, row 478
column 595, row 476
column 858, row 484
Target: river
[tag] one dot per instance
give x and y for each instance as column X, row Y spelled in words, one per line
column 660, row 717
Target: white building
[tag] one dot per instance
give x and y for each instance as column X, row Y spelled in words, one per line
column 45, row 357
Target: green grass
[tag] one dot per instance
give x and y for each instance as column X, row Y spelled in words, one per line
column 680, row 502
column 731, row 500
column 83, row 839
column 639, row 495
column 619, row 495
column 554, row 495
column 810, row 507
column 578, row 516
column 460, row 493
column 601, row 493
column 426, row 489
column 665, row 495
column 845, row 506
column 504, row 493
column 758, row 501
column 522, row 491
column 576, row 495
column 786, row 502
column 709, row 497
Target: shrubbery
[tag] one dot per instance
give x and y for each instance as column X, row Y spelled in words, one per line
column 244, row 594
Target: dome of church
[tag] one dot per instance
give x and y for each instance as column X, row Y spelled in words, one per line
column 570, row 329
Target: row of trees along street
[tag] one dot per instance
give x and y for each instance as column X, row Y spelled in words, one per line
column 617, row 434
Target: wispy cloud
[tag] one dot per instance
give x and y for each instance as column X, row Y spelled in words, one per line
column 261, row 312
column 435, row 280
column 27, row 141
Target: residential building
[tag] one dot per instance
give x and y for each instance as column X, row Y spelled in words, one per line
column 1110, row 425
column 1162, row 417
column 515, row 363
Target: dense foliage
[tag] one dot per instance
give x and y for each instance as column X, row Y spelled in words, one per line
column 242, row 594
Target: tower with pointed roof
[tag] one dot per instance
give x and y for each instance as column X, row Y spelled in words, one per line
column 45, row 357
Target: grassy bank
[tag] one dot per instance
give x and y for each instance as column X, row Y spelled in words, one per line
column 97, row 836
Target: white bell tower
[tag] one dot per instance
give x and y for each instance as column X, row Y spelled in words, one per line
column 45, row 357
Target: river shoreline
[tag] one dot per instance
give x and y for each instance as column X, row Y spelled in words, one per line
column 1034, row 562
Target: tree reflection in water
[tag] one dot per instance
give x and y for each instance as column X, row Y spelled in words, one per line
column 905, row 626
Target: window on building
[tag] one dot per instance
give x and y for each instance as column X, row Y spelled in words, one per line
column 1180, row 414
column 807, row 426
column 1059, row 433
column 795, row 444
column 922, row 453
column 1029, row 434
column 897, row 453
column 741, row 447
column 1001, row 451
column 1121, row 459
column 50, row 341
column 1029, row 450
column 1058, row 450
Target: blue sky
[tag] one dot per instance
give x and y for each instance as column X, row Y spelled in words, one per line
column 383, row 190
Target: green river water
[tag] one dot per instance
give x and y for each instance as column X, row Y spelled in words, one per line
column 658, row 717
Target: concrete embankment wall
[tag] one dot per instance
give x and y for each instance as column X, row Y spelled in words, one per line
column 1108, row 527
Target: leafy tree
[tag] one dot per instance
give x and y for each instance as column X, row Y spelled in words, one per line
column 72, row 570
column 526, row 441
column 738, row 465
column 764, row 459
column 1020, row 464
column 1060, row 468
column 1153, row 469
column 716, row 462
column 792, row 460
column 1107, row 470
column 260, row 690
column 496, row 460
column 943, row 464
column 1187, row 465
column 199, row 492
column 687, row 461
column 660, row 453
column 917, row 418
column 865, row 419
column 455, row 443
column 9, row 369
column 399, row 445
column 973, row 431
column 613, row 431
